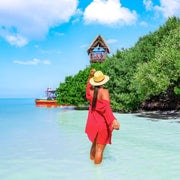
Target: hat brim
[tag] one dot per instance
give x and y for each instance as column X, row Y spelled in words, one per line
column 93, row 83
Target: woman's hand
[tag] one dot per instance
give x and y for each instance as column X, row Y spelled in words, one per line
column 91, row 74
column 115, row 124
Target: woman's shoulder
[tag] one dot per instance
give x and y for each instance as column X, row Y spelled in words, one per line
column 104, row 94
column 105, row 91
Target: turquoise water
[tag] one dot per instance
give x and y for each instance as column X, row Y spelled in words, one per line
column 50, row 143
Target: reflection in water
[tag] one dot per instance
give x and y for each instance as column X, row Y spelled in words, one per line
column 55, row 106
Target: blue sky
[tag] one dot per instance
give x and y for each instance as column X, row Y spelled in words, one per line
column 43, row 41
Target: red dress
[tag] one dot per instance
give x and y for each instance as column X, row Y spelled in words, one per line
column 99, row 121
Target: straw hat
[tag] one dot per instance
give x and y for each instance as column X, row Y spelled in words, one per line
column 99, row 79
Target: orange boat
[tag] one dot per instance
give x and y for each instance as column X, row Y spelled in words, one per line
column 49, row 100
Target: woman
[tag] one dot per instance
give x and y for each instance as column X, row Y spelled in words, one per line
column 100, row 121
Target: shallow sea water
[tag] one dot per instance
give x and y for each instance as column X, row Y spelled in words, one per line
column 50, row 144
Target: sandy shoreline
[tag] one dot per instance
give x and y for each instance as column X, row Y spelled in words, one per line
column 161, row 115
column 155, row 115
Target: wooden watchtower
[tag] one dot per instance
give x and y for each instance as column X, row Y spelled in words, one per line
column 98, row 50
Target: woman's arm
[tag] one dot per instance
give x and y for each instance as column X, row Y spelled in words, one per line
column 89, row 86
column 115, row 123
column 91, row 74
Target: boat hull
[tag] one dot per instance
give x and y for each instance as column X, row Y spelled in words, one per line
column 46, row 103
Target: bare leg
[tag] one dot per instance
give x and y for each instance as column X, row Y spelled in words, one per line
column 99, row 153
column 93, row 150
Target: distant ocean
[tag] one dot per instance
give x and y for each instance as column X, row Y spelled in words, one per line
column 50, row 144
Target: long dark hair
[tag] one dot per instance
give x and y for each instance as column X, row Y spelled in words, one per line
column 96, row 89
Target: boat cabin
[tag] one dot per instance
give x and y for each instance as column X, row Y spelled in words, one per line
column 98, row 50
column 50, row 94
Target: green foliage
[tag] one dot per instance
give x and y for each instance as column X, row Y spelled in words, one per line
column 162, row 71
column 177, row 90
column 147, row 69
column 72, row 91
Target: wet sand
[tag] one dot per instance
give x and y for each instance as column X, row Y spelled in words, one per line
column 160, row 115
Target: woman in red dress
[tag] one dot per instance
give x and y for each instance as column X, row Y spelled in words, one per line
column 101, row 121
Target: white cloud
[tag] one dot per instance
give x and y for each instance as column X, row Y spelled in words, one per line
column 84, row 46
column 169, row 8
column 143, row 23
column 109, row 12
column 46, row 62
column 16, row 40
column 112, row 41
column 34, row 61
column 77, row 16
column 47, row 51
column 148, row 4
column 22, row 20
column 59, row 34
